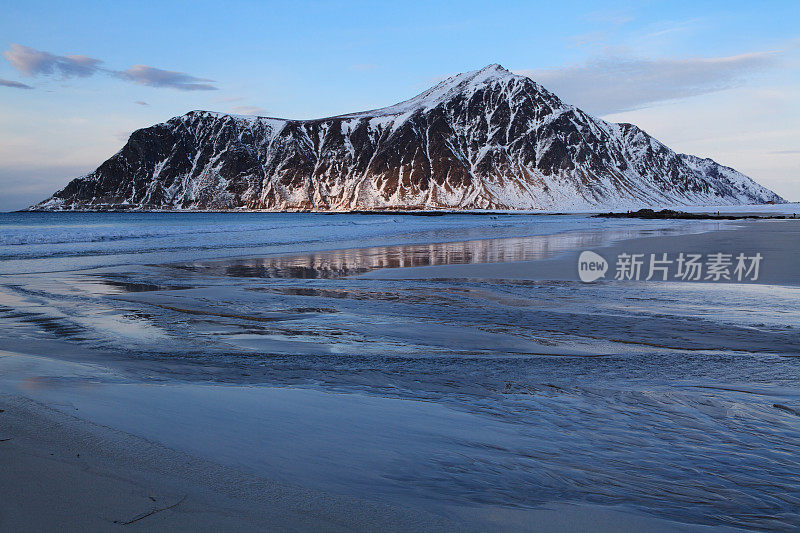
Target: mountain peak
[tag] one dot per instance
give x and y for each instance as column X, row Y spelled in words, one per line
column 495, row 67
column 462, row 83
column 489, row 73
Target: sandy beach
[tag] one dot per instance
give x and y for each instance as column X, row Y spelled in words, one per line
column 65, row 472
column 62, row 472
column 465, row 384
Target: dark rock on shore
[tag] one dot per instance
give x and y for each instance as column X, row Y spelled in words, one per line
column 669, row 214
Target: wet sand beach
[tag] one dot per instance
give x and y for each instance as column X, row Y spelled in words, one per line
column 418, row 382
column 72, row 474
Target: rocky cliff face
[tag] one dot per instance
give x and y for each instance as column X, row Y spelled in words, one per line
column 486, row 139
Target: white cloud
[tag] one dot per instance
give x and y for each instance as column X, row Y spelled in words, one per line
column 249, row 110
column 611, row 84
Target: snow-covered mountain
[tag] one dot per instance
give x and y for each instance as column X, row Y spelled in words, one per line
column 487, row 139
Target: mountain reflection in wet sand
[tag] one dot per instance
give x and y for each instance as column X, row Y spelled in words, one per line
column 354, row 261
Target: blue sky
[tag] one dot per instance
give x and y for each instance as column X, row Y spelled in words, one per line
column 717, row 79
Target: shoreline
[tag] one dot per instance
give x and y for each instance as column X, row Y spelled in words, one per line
column 389, row 233
column 423, row 211
column 101, row 477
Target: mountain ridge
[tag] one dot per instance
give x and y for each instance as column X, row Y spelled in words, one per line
column 485, row 139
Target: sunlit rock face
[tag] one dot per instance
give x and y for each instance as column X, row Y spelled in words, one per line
column 487, row 139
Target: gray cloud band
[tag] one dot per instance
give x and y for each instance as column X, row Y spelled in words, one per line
column 31, row 62
column 14, row 84
column 616, row 83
